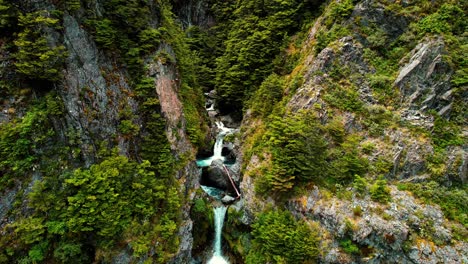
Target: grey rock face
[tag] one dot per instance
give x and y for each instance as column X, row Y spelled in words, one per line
column 372, row 13
column 349, row 55
column 194, row 12
column 425, row 80
column 385, row 228
column 90, row 99
column 94, row 91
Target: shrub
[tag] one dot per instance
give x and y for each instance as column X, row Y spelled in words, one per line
column 357, row 211
column 360, row 185
column 299, row 152
column 269, row 93
column 149, row 39
column 451, row 200
column 36, row 58
column 379, row 191
column 128, row 128
column 449, row 18
column 277, row 235
column 349, row 246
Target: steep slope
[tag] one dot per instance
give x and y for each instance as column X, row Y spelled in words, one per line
column 352, row 144
column 364, row 140
column 106, row 87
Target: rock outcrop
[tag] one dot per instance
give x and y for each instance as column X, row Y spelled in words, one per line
column 385, row 229
column 405, row 230
column 425, row 80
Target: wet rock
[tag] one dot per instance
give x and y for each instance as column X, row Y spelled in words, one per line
column 193, row 12
column 228, row 153
column 216, row 175
column 229, row 121
column 212, row 95
column 227, row 199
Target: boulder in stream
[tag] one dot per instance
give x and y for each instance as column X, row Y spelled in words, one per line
column 216, row 176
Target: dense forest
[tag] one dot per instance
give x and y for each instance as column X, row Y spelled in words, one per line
column 351, row 138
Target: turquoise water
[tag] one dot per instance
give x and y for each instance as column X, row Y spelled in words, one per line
column 218, row 258
column 218, row 147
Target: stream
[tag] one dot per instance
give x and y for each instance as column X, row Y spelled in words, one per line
column 220, row 211
column 217, row 257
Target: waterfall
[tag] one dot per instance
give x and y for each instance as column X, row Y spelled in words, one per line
column 219, row 214
column 218, row 147
column 211, row 108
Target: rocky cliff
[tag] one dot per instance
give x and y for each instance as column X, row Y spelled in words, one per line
column 117, row 92
column 352, row 147
column 379, row 88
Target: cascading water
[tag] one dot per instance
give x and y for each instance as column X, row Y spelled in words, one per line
column 219, row 212
column 218, row 147
column 218, row 258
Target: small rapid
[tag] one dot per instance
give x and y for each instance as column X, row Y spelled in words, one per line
column 218, row 147
column 218, row 194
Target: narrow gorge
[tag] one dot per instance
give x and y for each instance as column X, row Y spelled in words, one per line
column 234, row 131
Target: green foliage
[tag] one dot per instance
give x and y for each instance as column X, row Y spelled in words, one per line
column 7, row 15
column 69, row 253
column 298, row 153
column 452, row 201
column 36, row 58
column 449, row 18
column 105, row 34
column 30, row 229
column 347, row 164
column 360, row 185
column 377, row 39
column 38, row 251
column 111, row 198
column 269, row 93
column 349, row 246
column 357, row 211
column 73, row 5
column 341, row 9
column 149, row 39
column 256, row 35
column 382, row 88
column 128, row 128
column 279, row 238
column 335, row 129
column 380, row 192
column 114, row 183
column 19, row 140
column 155, row 146
column 445, row 133
column 325, row 37
column 343, row 97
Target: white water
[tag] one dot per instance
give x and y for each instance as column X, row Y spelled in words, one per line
column 218, row 258
column 213, row 192
column 218, row 147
